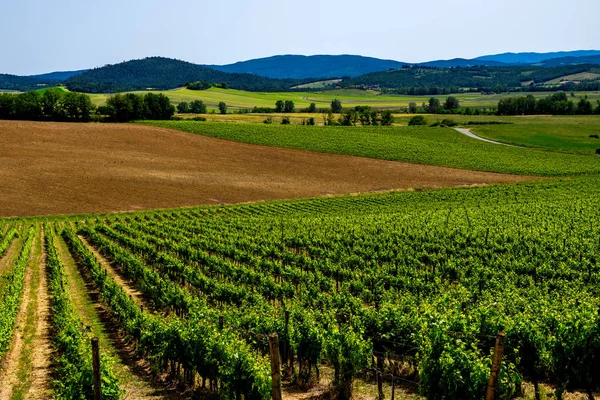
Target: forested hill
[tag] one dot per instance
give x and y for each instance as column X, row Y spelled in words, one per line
column 319, row 66
column 166, row 73
column 22, row 83
column 420, row 80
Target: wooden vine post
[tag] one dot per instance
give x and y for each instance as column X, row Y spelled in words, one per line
column 495, row 371
column 96, row 369
column 275, row 366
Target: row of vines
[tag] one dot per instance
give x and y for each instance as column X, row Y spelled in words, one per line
column 427, row 287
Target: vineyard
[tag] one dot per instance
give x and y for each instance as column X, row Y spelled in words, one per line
column 410, row 287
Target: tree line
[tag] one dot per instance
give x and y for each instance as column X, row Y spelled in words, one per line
column 555, row 104
column 59, row 105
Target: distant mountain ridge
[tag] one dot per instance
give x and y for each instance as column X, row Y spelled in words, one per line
column 317, row 66
column 532, row 58
column 277, row 73
column 58, row 76
column 338, row 66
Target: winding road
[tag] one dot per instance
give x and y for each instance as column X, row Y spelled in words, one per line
column 468, row 133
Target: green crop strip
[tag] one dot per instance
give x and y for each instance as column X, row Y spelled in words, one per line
column 421, row 145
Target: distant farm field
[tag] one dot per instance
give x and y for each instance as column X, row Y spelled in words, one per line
column 238, row 99
column 573, row 133
column 421, row 145
column 59, row 168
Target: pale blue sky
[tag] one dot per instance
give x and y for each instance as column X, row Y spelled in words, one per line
column 48, row 35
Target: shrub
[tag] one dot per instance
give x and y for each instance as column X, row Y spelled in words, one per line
column 198, row 119
column 285, row 121
column 268, row 121
column 594, row 137
column 449, row 122
column 311, row 121
column 597, row 151
column 417, row 120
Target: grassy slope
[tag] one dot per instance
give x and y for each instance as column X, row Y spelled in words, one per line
column 422, row 145
column 560, row 133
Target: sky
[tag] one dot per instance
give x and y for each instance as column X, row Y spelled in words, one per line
column 57, row 35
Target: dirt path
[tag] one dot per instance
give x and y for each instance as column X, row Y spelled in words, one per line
column 28, row 362
column 134, row 377
column 61, row 168
column 470, row 134
column 117, row 275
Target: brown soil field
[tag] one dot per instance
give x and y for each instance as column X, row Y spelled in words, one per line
column 51, row 168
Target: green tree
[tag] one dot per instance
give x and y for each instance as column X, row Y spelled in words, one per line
column 28, row 106
column 434, row 105
column 289, row 106
column 7, row 105
column 183, row 107
column 200, row 85
column 417, row 120
column 349, row 118
column 197, row 107
column 279, row 106
column 584, row 107
column 223, row 108
column 336, row 106
column 50, row 104
column 312, row 108
column 451, row 103
column 387, row 119
column 120, row 108
column 412, row 108
column 159, row 106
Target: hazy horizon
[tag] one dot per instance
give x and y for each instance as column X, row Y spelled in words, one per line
column 85, row 35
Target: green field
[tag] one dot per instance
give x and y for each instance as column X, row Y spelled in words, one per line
column 422, row 145
column 237, row 99
column 564, row 133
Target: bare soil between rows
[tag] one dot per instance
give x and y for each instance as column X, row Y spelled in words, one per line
column 51, row 168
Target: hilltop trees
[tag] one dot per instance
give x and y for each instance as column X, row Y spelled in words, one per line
column 198, row 85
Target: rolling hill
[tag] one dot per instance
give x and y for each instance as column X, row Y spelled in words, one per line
column 58, row 76
column 302, row 67
column 22, row 83
column 420, row 80
column 166, row 73
column 533, row 58
column 553, row 62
